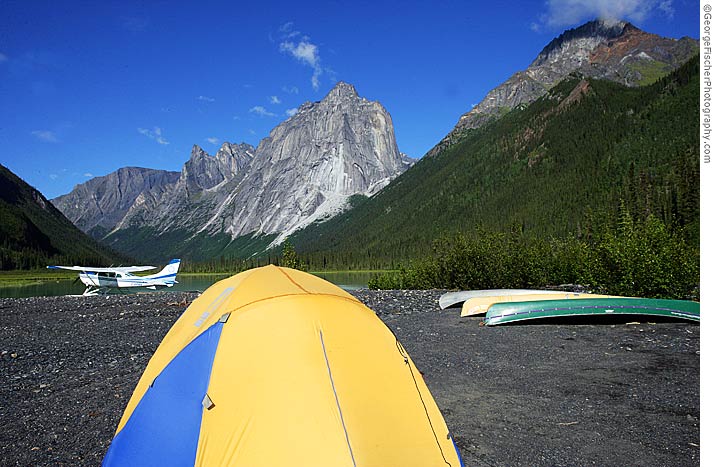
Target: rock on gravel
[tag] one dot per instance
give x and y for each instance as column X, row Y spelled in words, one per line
column 540, row 395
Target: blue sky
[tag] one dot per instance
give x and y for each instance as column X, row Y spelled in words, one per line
column 89, row 87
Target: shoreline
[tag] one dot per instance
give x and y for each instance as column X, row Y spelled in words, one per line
column 541, row 394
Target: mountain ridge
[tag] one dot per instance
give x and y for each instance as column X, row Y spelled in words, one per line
column 560, row 167
column 242, row 204
column 34, row 232
column 607, row 49
column 306, row 169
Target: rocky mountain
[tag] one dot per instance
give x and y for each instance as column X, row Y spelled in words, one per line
column 203, row 172
column 613, row 50
column 33, row 232
column 565, row 166
column 312, row 163
column 100, row 204
column 306, row 169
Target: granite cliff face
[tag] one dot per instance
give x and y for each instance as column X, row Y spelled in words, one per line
column 305, row 170
column 98, row 205
column 310, row 164
column 613, row 50
column 203, row 171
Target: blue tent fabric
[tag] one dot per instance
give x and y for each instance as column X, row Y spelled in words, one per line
column 300, row 361
column 457, row 451
column 150, row 436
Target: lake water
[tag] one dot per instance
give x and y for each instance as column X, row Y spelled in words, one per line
column 346, row 280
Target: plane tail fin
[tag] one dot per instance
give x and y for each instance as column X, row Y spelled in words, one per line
column 168, row 273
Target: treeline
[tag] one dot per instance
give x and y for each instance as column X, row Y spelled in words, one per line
column 219, row 265
column 29, row 258
column 594, row 184
column 34, row 234
column 285, row 256
column 557, row 168
column 634, row 257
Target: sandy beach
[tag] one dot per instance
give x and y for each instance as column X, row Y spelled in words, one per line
column 558, row 394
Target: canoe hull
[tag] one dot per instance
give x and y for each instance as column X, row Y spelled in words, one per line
column 452, row 299
column 504, row 313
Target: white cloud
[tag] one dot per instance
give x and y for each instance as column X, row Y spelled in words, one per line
column 290, row 89
column 213, row 140
column 561, row 13
column 88, row 175
column 261, row 111
column 206, row 99
column 315, row 80
column 286, row 30
column 305, row 52
column 274, row 100
column 3, row 57
column 45, row 135
column 302, row 50
column 154, row 134
column 291, row 112
column 667, row 8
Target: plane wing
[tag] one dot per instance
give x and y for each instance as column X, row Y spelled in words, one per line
column 116, row 269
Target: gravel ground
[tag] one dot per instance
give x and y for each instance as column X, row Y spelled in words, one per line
column 524, row 395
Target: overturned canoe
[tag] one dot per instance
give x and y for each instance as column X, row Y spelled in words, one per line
column 479, row 305
column 451, row 299
column 503, row 313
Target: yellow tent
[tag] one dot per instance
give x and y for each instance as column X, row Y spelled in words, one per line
column 275, row 367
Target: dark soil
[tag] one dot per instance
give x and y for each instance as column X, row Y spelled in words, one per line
column 555, row 394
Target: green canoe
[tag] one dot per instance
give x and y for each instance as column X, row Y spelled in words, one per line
column 510, row 312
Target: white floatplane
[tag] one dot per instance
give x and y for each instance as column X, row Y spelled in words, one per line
column 101, row 280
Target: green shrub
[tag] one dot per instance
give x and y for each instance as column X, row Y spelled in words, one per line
column 634, row 258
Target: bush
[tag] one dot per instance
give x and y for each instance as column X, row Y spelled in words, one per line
column 290, row 258
column 644, row 259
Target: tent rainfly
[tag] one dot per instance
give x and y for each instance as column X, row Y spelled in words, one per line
column 276, row 367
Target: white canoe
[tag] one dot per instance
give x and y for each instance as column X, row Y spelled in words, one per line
column 451, row 299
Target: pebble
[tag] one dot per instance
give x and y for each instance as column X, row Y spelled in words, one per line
column 508, row 394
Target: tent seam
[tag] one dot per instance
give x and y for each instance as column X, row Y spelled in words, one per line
column 337, row 400
column 351, row 300
column 293, row 281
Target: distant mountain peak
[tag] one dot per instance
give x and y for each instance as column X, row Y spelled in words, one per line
column 342, row 90
column 584, row 38
column 341, row 93
column 306, row 170
column 345, row 87
column 34, row 232
column 601, row 49
column 197, row 152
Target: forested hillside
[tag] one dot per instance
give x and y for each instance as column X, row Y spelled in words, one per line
column 561, row 167
column 33, row 233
